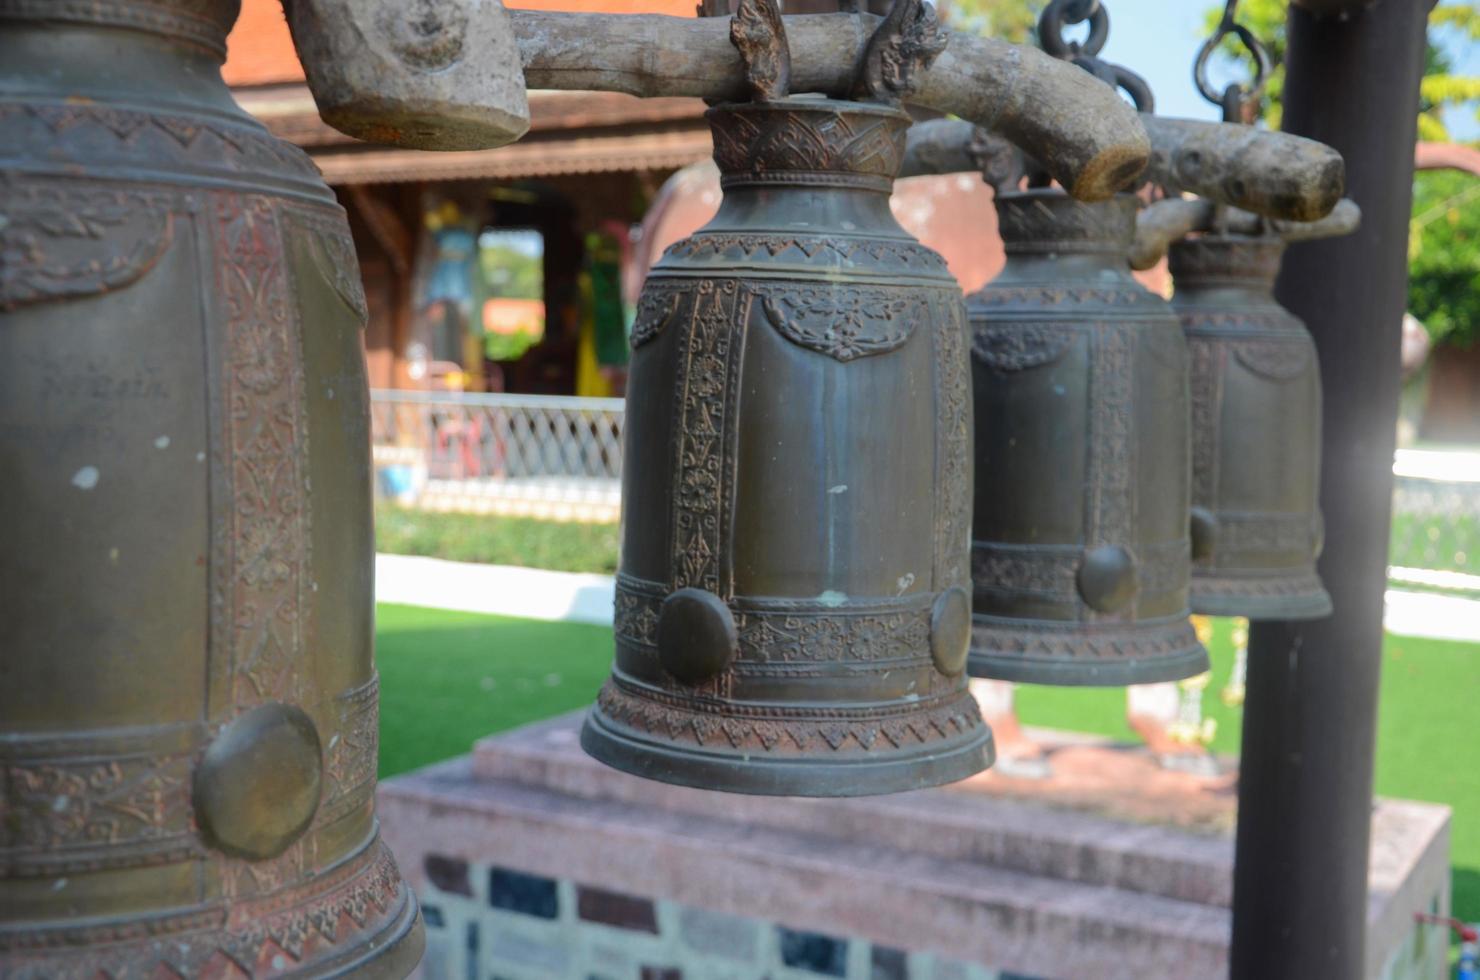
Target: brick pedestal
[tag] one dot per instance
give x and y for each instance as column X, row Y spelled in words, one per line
column 533, row 861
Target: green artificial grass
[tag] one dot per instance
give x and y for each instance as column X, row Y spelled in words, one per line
column 1426, row 719
column 449, row 678
column 492, row 540
column 1101, row 710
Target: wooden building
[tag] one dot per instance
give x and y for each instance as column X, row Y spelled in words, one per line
column 580, row 181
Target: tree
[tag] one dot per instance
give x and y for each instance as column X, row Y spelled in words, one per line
column 1444, row 240
column 1011, row 20
column 1444, row 255
column 1440, row 89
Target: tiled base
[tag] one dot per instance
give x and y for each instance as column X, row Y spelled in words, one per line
column 559, row 928
column 534, row 862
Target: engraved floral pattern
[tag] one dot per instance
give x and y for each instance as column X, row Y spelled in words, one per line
column 1246, row 531
column 858, row 638
column 1110, row 504
column 334, row 255
column 1019, row 346
column 843, row 322
column 62, row 239
column 58, row 805
column 656, row 308
column 742, row 728
column 953, row 447
column 266, row 445
column 1048, row 570
column 758, row 141
column 704, row 463
column 1276, row 360
column 821, row 251
column 355, row 904
column 1206, row 361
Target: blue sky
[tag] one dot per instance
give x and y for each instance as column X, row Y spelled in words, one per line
column 1159, row 39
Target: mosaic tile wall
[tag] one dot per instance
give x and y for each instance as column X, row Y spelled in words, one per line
column 492, row 923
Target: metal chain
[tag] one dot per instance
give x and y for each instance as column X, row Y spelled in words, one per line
column 1058, row 15
column 1238, row 101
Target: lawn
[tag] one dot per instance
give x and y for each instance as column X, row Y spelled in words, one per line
column 449, row 678
column 494, row 540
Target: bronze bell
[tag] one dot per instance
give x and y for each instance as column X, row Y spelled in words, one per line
column 792, row 606
column 188, row 703
column 1080, row 552
column 1256, row 433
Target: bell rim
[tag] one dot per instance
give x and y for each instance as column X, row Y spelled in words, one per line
column 398, row 950
column 389, row 950
column 1303, row 598
column 644, row 756
column 1078, row 673
column 1177, row 656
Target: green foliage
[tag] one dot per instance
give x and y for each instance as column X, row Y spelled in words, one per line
column 1441, row 88
column 512, row 274
column 521, row 541
column 1266, row 18
column 1444, row 290
column 1010, row 20
column 1444, row 255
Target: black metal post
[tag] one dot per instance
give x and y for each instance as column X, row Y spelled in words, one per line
column 1305, row 795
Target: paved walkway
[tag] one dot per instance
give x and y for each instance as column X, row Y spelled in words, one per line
column 504, row 590
column 580, row 598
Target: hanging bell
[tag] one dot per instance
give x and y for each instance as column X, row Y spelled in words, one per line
column 792, row 605
column 1256, row 432
column 188, row 703
column 1080, row 552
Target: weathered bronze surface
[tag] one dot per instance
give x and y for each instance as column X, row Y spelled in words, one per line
column 792, row 607
column 1256, row 433
column 1080, row 549
column 188, row 704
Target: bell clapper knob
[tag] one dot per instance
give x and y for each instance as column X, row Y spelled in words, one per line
column 950, row 631
column 258, row 786
column 1204, row 529
column 697, row 636
column 1107, row 578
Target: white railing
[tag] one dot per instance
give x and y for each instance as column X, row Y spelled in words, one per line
column 561, row 457
column 1436, row 520
column 537, row 455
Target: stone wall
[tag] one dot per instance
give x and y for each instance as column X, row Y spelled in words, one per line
column 534, row 862
column 486, row 922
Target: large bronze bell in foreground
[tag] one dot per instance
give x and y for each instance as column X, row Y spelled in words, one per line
column 1256, row 433
column 792, row 606
column 1080, row 550
column 188, row 704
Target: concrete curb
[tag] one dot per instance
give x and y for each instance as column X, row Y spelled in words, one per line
column 503, row 590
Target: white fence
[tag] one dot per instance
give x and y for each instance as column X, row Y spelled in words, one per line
column 1436, row 520
column 535, row 455
column 561, row 458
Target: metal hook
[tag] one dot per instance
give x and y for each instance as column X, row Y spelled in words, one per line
column 1060, row 13
column 1249, row 93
